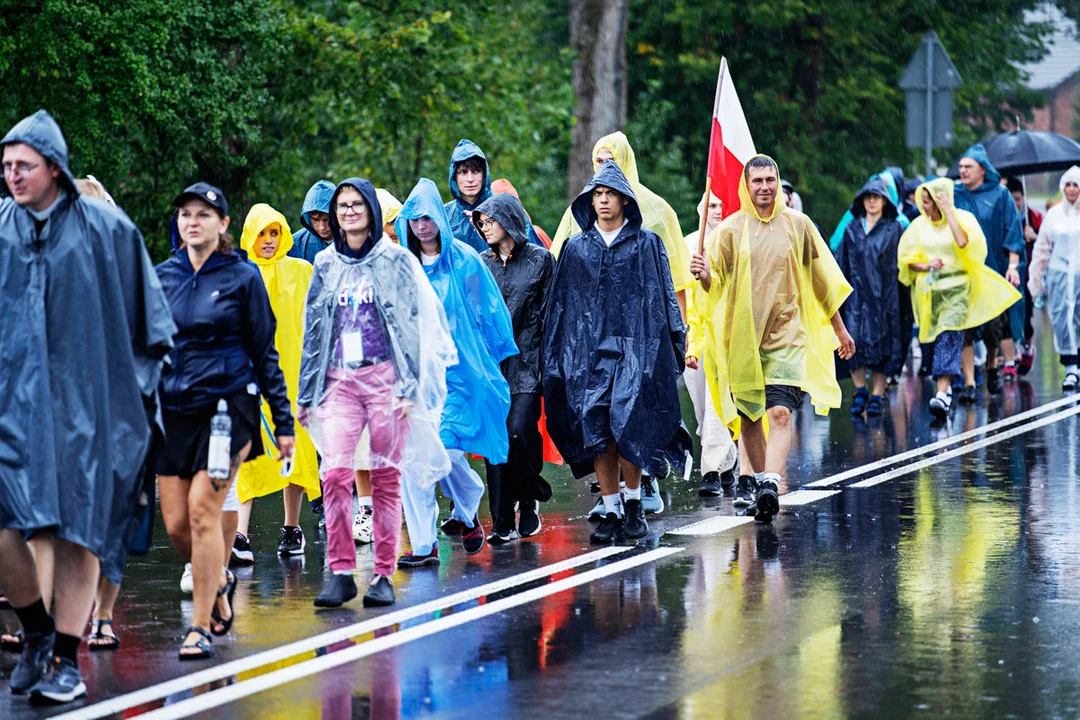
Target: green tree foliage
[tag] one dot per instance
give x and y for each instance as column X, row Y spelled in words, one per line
column 817, row 81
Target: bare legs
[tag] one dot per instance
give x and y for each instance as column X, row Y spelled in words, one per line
column 759, row 455
column 608, row 465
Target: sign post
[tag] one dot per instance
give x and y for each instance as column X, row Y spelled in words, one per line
column 929, row 81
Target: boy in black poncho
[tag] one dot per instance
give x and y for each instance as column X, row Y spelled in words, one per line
column 613, row 350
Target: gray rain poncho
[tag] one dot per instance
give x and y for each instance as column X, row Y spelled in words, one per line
column 84, row 327
column 420, row 342
column 1055, row 268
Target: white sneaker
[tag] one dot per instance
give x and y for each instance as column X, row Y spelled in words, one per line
column 363, row 529
column 187, row 580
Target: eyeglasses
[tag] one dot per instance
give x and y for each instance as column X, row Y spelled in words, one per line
column 485, row 224
column 20, row 169
column 356, row 207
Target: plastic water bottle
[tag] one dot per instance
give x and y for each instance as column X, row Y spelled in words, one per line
column 218, row 461
column 1040, row 301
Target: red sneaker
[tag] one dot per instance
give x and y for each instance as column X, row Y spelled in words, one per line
column 1027, row 361
column 1008, row 374
column 473, row 539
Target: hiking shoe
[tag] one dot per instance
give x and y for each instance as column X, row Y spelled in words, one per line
column 1009, row 374
column 1070, row 382
column 241, row 550
column 650, row 496
column 744, row 491
column 969, row 395
column 610, row 530
column 1027, row 360
column 337, row 591
column 37, row 651
column 408, row 560
column 634, row 525
column 501, row 537
column 940, row 406
column 61, row 683
column 472, row 539
column 187, row 580
column 452, row 526
column 363, row 527
column 873, row 408
column 858, row 403
column 767, row 501
column 599, row 511
column 710, row 485
column 292, row 541
column 380, row 593
column 529, row 519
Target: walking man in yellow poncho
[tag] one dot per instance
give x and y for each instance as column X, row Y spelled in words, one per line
column 772, row 323
column 267, row 240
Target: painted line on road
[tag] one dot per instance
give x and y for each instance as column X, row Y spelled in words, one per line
column 712, row 526
column 901, row 457
column 805, row 497
column 908, row 469
column 245, row 688
column 184, row 683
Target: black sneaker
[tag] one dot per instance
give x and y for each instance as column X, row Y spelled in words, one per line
column 634, row 525
column 337, row 591
column 61, row 683
column 501, row 537
column 767, row 501
column 408, row 560
column 452, row 526
column 472, row 539
column 727, row 479
column 610, row 530
column 380, row 593
column 529, row 520
column 994, row 384
column 710, row 485
column 37, row 650
column 969, row 395
column 745, row 491
column 292, row 541
column 241, row 550
column 939, row 407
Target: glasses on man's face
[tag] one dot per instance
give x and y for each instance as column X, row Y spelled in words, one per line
column 486, row 223
column 343, row 208
column 20, row 168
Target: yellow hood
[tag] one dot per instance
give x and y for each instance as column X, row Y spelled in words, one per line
column 390, row 205
column 747, row 204
column 258, row 219
column 935, row 186
column 619, row 146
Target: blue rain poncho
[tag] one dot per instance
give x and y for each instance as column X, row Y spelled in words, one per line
column 1055, row 268
column 478, row 396
column 83, row 333
column 891, row 193
column 306, row 244
column 614, row 340
column 421, row 348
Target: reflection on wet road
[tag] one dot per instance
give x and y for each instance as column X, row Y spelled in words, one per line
column 947, row 585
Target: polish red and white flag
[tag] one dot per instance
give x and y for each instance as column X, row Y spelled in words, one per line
column 730, row 144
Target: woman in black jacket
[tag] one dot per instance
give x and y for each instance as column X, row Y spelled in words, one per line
column 223, row 351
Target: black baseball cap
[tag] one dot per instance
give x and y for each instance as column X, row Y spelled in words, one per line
column 207, row 193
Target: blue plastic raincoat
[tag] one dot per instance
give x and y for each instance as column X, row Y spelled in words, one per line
column 306, row 244
column 891, row 192
column 478, row 396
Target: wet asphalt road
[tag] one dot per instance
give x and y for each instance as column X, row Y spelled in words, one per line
column 949, row 590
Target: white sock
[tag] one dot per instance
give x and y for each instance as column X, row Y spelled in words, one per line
column 773, row 477
column 634, row 494
column 365, row 501
column 1071, row 369
column 343, row 572
column 612, row 504
column 759, row 476
column 1010, row 363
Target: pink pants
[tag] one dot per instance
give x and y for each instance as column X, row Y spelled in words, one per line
column 357, row 399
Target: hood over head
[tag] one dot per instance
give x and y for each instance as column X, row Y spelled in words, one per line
column 607, row 175
column 390, row 205
column 620, row 148
column 746, row 203
column 502, row 185
column 705, row 200
column 41, row 132
column 367, row 190
column 317, row 200
column 978, row 153
column 935, row 186
column 1071, row 175
column 876, row 185
column 258, row 219
column 897, row 175
column 505, row 209
column 466, row 149
column 892, row 193
column 424, row 201
column 910, row 186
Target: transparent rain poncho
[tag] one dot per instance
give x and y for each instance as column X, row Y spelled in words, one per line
column 775, row 288
column 417, row 341
column 965, row 293
column 1055, row 268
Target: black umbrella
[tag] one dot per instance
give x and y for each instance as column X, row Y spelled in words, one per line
column 1025, row 152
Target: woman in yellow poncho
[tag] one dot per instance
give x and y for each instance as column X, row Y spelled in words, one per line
column 772, row 322
column 656, row 214
column 267, row 240
column 942, row 258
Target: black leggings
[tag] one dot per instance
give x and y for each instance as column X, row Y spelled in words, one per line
column 513, row 480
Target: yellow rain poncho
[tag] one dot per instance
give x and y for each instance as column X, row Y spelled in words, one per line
column 965, row 293
column 287, row 281
column 775, row 288
column 656, row 214
column 390, row 205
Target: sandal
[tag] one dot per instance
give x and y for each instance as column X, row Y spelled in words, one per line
column 873, row 408
column 229, row 591
column 12, row 643
column 858, row 404
column 205, row 646
column 111, row 642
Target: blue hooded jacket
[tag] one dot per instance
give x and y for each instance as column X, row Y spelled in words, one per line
column 306, row 243
column 993, row 207
column 478, row 396
column 890, row 192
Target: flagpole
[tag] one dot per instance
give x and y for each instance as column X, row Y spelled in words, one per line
column 704, row 217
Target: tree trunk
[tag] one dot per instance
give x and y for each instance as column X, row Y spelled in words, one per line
column 598, row 38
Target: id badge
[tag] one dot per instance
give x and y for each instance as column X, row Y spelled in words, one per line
column 352, row 348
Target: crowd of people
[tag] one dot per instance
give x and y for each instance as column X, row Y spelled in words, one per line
column 362, row 361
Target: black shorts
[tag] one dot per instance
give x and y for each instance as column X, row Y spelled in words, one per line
column 787, row 396
column 187, row 435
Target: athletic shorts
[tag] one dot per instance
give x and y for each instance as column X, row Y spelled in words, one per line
column 187, row 435
column 787, row 396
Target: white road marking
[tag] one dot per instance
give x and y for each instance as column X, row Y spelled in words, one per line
column 712, row 526
column 805, row 497
column 217, row 698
